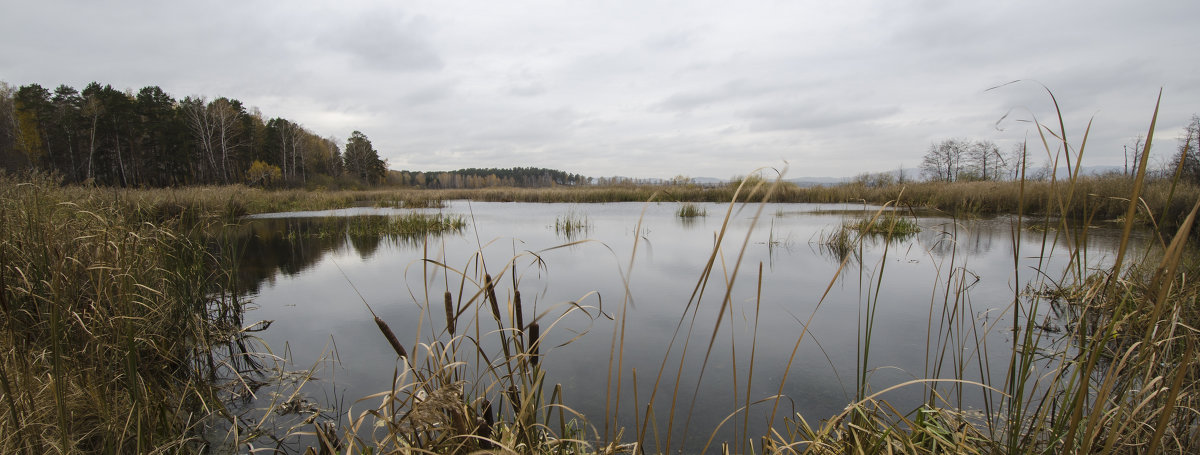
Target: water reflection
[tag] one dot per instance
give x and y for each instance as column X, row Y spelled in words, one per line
column 313, row 284
column 273, row 247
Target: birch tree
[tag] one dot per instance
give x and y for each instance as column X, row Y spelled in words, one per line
column 215, row 128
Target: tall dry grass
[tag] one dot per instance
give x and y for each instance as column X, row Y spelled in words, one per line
column 111, row 327
column 1091, row 198
column 1122, row 379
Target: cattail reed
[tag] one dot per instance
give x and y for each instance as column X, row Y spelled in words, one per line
column 391, row 337
column 490, row 289
column 534, row 334
column 514, row 397
column 450, row 319
column 517, row 308
column 489, row 419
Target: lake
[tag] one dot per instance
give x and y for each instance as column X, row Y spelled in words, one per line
column 920, row 300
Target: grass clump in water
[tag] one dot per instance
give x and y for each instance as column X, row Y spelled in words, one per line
column 888, row 223
column 423, row 203
column 840, row 242
column 572, row 225
column 408, row 225
column 690, row 210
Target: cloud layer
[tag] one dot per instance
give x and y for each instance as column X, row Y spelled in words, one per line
column 646, row 88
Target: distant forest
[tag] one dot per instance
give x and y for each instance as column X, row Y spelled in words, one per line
column 107, row 136
column 148, row 138
column 528, row 177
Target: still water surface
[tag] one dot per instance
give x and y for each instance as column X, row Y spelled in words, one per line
column 314, row 286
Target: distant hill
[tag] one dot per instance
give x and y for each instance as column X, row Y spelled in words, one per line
column 814, row 181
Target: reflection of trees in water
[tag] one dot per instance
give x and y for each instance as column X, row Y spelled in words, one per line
column 976, row 237
column 288, row 246
column 972, row 238
column 365, row 245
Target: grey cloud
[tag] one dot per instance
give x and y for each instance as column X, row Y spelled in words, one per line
column 536, row 127
column 813, row 116
column 738, row 90
column 671, row 41
column 527, row 89
column 385, row 41
column 427, row 95
column 655, row 88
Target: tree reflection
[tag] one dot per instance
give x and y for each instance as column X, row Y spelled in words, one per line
column 289, row 246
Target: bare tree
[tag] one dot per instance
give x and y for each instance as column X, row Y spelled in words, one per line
column 227, row 119
column 9, row 158
column 203, row 129
column 92, row 108
column 1016, row 161
column 1187, row 164
column 986, row 160
column 289, row 143
column 943, row 161
column 215, row 126
column 1133, row 152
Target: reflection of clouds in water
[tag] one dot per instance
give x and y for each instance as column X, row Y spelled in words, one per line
column 944, row 237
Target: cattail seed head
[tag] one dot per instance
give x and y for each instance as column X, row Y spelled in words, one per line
column 514, row 397
column 534, row 334
column 391, row 338
column 490, row 290
column 517, row 308
column 450, row 318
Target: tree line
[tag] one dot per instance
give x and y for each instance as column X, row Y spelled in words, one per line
column 523, row 177
column 953, row 160
column 106, row 136
column 957, row 159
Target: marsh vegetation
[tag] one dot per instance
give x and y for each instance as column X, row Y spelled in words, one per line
column 690, row 210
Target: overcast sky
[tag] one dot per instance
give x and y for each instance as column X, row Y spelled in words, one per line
column 643, row 88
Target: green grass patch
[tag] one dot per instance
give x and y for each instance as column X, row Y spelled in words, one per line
column 572, row 225
column 407, row 225
column 888, row 223
column 423, row 203
column 690, row 210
